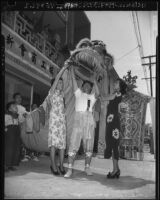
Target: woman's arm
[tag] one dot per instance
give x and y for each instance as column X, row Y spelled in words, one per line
column 44, row 104
column 95, row 86
column 53, row 87
column 57, row 78
column 75, row 86
column 96, row 89
column 108, row 97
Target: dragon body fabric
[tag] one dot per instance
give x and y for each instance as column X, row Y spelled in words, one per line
column 87, row 58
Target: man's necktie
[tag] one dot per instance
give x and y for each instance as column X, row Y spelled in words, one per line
column 88, row 104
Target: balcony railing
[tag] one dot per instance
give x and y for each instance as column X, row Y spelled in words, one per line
column 26, row 30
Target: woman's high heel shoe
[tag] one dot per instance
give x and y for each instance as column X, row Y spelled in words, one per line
column 109, row 174
column 62, row 171
column 54, row 172
column 115, row 175
column 118, row 174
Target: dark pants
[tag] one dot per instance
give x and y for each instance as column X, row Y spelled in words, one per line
column 12, row 146
column 109, row 149
column 96, row 138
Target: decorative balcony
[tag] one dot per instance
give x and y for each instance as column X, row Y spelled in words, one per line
column 22, row 40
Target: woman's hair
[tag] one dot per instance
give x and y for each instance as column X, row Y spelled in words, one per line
column 53, row 79
column 9, row 105
column 123, row 86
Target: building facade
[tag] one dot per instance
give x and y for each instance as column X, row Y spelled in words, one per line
column 35, row 49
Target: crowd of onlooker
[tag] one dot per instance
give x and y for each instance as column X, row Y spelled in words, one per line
column 15, row 150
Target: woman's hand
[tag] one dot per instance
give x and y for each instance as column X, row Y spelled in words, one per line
column 95, row 88
column 74, row 81
column 108, row 97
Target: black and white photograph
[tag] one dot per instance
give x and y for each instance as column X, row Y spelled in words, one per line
column 80, row 100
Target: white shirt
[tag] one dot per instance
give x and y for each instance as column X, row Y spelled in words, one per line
column 10, row 121
column 82, row 98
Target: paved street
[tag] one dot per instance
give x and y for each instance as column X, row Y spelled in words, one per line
column 34, row 180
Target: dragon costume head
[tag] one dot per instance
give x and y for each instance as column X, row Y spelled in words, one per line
column 90, row 56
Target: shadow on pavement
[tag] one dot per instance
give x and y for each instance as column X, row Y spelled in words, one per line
column 42, row 167
column 123, row 183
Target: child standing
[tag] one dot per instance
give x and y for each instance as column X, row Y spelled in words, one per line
column 12, row 137
column 17, row 97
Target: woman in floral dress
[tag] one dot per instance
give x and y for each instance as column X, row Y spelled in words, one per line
column 57, row 125
column 113, row 126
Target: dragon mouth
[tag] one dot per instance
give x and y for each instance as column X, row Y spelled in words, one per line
column 88, row 61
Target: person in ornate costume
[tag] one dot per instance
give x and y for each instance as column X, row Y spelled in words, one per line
column 84, row 124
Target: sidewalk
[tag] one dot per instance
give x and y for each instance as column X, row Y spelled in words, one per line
column 34, row 180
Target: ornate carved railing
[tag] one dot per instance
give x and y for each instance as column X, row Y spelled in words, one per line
column 26, row 30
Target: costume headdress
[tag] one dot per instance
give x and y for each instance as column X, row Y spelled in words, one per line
column 85, row 42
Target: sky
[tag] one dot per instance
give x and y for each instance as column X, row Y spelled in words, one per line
column 116, row 30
